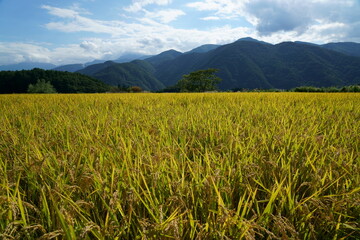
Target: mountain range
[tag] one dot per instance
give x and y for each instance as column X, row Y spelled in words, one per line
column 245, row 63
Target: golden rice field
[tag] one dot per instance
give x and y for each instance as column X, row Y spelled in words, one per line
column 180, row 166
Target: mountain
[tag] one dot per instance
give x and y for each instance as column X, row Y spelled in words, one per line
column 94, row 68
column 96, row 61
column 246, row 63
column 249, row 64
column 128, row 57
column 26, row 66
column 249, row 39
column 135, row 73
column 163, row 57
column 348, row 48
column 64, row 82
column 69, row 68
column 307, row 43
column 204, row 48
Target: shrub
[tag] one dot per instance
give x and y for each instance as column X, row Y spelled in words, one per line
column 41, row 86
column 135, row 89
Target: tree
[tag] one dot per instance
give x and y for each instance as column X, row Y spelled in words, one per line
column 135, row 89
column 41, row 87
column 199, row 81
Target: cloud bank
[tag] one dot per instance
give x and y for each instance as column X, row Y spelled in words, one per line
column 141, row 28
column 333, row 20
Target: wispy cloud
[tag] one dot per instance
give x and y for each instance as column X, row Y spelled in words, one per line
column 210, row 18
column 152, row 25
column 278, row 16
column 61, row 12
column 150, row 32
column 138, row 5
column 22, row 52
column 72, row 21
column 165, row 16
column 221, row 8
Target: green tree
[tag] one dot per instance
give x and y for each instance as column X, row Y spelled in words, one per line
column 135, row 89
column 199, row 81
column 41, row 87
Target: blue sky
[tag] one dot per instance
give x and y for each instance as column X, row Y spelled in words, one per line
column 77, row 31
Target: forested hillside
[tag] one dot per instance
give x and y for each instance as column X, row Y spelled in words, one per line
column 246, row 63
column 63, row 82
column 249, row 64
column 135, row 73
column 243, row 64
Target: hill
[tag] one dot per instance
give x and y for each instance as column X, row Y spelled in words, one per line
column 69, row 67
column 246, row 63
column 204, row 48
column 64, row 82
column 94, row 68
column 128, row 57
column 135, row 73
column 348, row 48
column 163, row 57
column 250, row 64
column 249, row 39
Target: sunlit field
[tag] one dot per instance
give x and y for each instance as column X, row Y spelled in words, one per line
column 180, row 166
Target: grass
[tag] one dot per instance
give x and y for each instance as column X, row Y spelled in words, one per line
column 180, row 166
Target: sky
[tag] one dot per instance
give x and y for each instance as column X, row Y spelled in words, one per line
column 78, row 31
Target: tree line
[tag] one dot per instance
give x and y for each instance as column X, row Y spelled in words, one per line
column 37, row 79
column 49, row 81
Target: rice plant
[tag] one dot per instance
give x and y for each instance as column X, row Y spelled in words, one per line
column 180, row 166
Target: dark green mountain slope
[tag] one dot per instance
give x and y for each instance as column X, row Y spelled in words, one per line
column 237, row 69
column 135, row 73
column 64, row 82
column 163, row 57
column 204, row 48
column 249, row 39
column 69, row 67
column 128, row 57
column 348, row 48
column 95, row 68
column 249, row 64
column 246, row 63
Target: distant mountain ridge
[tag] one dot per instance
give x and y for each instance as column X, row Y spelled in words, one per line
column 163, row 57
column 70, row 68
column 246, row 63
column 204, row 48
column 135, row 73
column 348, row 48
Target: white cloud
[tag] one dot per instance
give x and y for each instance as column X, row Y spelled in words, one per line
column 61, row 12
column 165, row 16
column 210, row 18
column 300, row 16
column 313, row 21
column 146, row 39
column 221, row 8
column 74, row 22
column 22, row 52
column 138, row 5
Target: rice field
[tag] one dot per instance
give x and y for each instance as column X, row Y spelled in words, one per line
column 180, row 166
